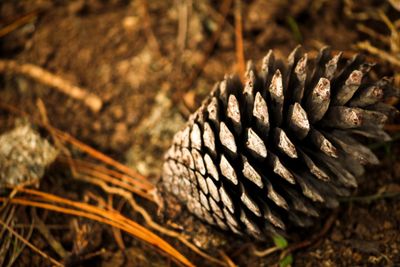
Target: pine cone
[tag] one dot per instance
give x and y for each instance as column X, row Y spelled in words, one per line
column 259, row 158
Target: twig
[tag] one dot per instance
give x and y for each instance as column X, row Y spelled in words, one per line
column 25, row 19
column 306, row 243
column 116, row 232
column 184, row 10
column 366, row 46
column 94, row 254
column 239, row 40
column 228, row 260
column 88, row 196
column 395, row 35
column 18, row 251
column 57, row 247
column 31, row 246
column 372, row 33
column 90, row 100
column 7, row 214
column 302, row 244
column 348, row 10
column 265, row 252
column 45, row 120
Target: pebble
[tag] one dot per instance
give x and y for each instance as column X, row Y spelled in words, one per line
column 130, row 23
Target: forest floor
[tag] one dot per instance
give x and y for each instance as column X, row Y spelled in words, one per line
column 150, row 64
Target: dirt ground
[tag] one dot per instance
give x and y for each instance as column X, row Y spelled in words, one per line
column 151, row 64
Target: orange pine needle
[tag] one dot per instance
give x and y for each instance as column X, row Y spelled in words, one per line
column 117, row 175
column 111, row 218
column 136, row 188
column 98, row 155
column 239, row 40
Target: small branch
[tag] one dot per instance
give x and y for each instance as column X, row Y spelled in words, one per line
column 57, row 247
column 306, row 243
column 372, row 33
column 21, row 21
column 299, row 245
column 228, row 260
column 31, row 246
column 184, row 11
column 37, row 73
column 366, row 46
column 265, row 252
column 117, row 232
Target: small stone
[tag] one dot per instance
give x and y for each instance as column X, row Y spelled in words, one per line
column 130, row 23
column 24, row 156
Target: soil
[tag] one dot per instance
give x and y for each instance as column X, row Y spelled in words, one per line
column 142, row 64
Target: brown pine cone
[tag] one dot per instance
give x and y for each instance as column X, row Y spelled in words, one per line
column 257, row 158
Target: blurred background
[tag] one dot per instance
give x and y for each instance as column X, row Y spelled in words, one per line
column 141, row 67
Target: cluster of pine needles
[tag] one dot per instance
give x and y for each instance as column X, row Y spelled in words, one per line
column 114, row 178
